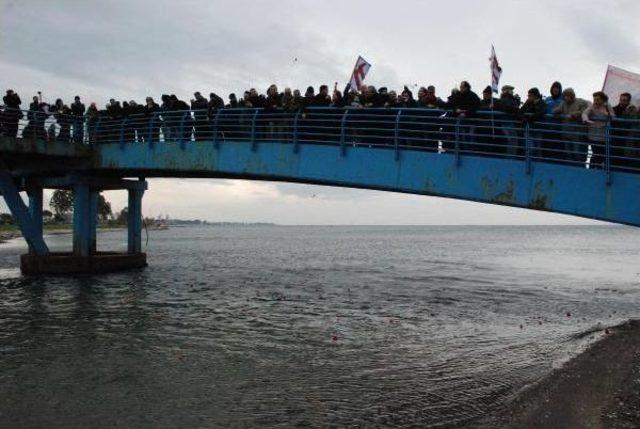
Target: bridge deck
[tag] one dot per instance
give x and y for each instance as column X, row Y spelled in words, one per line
column 540, row 186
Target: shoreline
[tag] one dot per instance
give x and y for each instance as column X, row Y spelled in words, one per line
column 599, row 388
column 13, row 234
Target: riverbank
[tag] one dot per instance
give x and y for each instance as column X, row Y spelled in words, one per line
column 600, row 388
column 13, row 232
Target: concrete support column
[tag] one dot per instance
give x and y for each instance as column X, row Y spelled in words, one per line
column 84, row 220
column 135, row 221
column 93, row 220
column 35, row 211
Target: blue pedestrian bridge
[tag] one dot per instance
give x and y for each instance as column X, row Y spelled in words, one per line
column 553, row 164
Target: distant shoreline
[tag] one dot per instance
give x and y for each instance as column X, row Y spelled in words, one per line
column 598, row 388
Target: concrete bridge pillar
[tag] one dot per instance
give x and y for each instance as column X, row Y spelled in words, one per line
column 134, row 221
column 35, row 211
column 85, row 202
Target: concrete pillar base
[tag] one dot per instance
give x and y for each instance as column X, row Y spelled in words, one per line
column 67, row 263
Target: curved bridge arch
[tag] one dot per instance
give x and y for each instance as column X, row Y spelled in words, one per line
column 536, row 185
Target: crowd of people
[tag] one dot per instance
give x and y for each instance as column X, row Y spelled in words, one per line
column 74, row 120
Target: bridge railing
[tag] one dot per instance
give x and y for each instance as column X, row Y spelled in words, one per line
column 614, row 145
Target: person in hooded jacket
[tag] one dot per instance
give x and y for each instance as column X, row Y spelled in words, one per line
column 554, row 100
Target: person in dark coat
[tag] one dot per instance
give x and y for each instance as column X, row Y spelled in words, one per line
column 200, row 107
column 64, row 119
column 406, row 99
column 77, row 110
column 183, row 119
column 509, row 107
column 427, row 98
column 322, row 99
column 273, row 101
column 152, row 120
column 11, row 114
column 92, row 118
column 625, row 150
column 38, row 113
column 233, row 102
column 487, row 102
column 309, row 97
column 532, row 111
column 464, row 103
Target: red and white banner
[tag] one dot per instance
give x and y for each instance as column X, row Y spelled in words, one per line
column 618, row 81
column 496, row 70
column 359, row 73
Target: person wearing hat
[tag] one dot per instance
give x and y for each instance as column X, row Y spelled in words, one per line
column 570, row 110
column 532, row 111
column 488, row 101
column 509, row 105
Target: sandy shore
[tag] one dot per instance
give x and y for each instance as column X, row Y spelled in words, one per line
column 599, row 388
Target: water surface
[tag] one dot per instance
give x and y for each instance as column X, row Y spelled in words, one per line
column 308, row 326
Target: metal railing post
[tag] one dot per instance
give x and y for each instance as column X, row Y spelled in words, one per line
column 527, row 146
column 215, row 129
column 396, row 132
column 96, row 132
column 343, row 124
column 295, row 132
column 457, row 141
column 253, row 131
column 182, row 143
column 151, row 122
column 607, row 153
column 123, row 124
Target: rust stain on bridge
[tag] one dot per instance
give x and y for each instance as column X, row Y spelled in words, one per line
column 540, row 197
column 507, row 196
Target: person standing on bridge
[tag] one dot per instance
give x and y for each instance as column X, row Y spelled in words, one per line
column 555, row 98
column 78, row 109
column 532, row 111
column 64, row 119
column 597, row 117
column 509, row 105
column 200, row 107
column 623, row 147
column 464, row 104
column 233, row 102
column 570, row 110
column 92, row 117
column 152, row 121
column 11, row 114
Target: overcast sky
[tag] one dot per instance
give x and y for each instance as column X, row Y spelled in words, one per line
column 131, row 49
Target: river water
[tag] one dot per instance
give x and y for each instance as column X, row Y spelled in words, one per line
column 308, row 326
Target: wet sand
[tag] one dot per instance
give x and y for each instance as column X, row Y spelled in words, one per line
column 599, row 388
